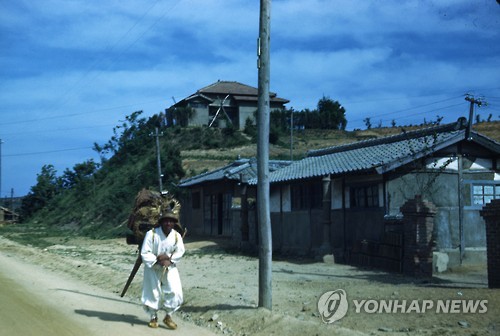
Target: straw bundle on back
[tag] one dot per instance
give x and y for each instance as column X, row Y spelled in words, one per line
column 148, row 207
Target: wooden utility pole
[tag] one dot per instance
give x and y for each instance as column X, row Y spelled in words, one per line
column 1, row 168
column 291, row 134
column 472, row 101
column 263, row 119
column 461, row 186
column 158, row 159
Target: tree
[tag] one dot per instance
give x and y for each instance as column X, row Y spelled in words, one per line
column 368, row 122
column 331, row 114
column 250, row 129
column 130, row 129
column 280, row 119
column 46, row 188
column 179, row 116
column 80, row 174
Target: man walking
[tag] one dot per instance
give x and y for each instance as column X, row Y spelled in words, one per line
column 161, row 251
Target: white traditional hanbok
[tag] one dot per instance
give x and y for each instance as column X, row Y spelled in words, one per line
column 162, row 288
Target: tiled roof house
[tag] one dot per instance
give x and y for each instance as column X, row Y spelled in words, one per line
column 226, row 102
column 367, row 183
column 213, row 197
column 358, row 188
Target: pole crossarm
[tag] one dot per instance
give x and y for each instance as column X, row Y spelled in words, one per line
column 473, row 101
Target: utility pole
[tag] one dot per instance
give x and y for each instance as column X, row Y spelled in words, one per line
column 158, row 160
column 12, row 200
column 1, row 142
column 468, row 137
column 472, row 102
column 263, row 119
column 291, row 134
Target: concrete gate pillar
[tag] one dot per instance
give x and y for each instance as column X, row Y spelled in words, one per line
column 418, row 221
column 244, row 215
column 325, row 250
column 491, row 215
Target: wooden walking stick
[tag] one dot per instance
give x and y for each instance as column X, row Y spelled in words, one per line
column 137, row 264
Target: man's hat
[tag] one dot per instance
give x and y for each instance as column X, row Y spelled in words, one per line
column 168, row 214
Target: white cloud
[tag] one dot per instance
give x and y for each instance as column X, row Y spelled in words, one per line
column 96, row 62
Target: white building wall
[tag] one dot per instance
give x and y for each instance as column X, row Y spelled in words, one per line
column 336, row 202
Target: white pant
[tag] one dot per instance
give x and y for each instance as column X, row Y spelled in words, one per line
column 161, row 290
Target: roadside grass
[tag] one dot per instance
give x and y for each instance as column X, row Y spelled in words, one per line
column 34, row 235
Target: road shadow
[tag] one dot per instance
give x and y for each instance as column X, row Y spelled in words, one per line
column 372, row 275
column 111, row 317
column 205, row 245
column 97, row 296
column 218, row 307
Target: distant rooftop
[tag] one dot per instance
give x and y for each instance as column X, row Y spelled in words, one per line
column 239, row 91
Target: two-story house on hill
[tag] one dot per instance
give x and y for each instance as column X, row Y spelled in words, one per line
column 225, row 102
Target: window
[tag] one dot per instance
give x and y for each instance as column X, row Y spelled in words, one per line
column 195, row 104
column 484, row 193
column 364, row 196
column 196, row 200
column 299, row 199
column 307, row 196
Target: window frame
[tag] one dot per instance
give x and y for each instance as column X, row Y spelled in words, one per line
column 364, row 196
column 481, row 189
column 306, row 196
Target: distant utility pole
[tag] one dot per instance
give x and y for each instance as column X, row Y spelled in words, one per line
column 158, row 160
column 263, row 119
column 1, row 142
column 291, row 134
column 472, row 102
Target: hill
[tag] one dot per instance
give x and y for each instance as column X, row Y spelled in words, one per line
column 196, row 161
column 95, row 199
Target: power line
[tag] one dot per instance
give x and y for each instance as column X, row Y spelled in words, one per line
column 391, row 99
column 416, row 107
column 113, row 61
column 100, row 61
column 48, row 152
column 429, row 111
column 58, row 130
column 60, row 116
column 410, row 115
column 141, row 35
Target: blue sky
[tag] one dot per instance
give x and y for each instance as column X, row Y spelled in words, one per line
column 71, row 70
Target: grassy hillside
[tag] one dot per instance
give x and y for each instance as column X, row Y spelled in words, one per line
column 196, row 161
column 100, row 203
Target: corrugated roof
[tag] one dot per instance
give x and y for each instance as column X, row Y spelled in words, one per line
column 242, row 169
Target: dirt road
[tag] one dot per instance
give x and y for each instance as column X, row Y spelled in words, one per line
column 79, row 280
column 39, row 302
